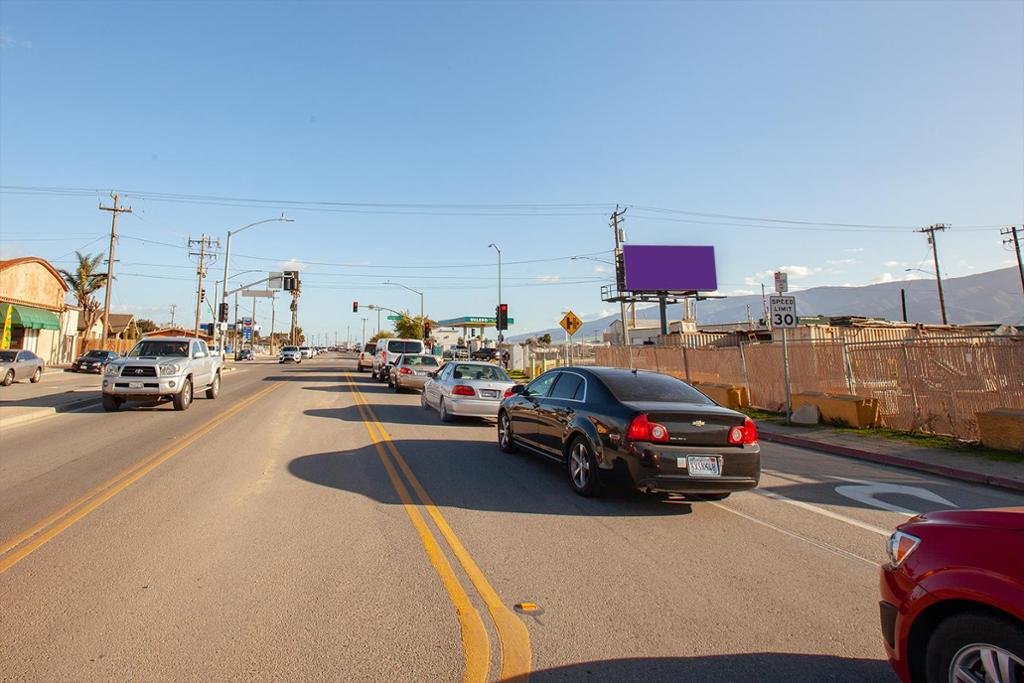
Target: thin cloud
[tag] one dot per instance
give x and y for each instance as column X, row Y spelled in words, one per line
column 548, row 278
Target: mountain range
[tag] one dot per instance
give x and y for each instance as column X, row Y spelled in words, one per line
column 993, row 296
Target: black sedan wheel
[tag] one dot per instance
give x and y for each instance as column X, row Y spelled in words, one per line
column 36, row 375
column 8, row 379
column 505, row 442
column 584, row 476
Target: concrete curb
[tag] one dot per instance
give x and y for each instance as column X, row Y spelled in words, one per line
column 42, row 413
column 895, row 461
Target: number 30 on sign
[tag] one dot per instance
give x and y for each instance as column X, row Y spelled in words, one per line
column 783, row 311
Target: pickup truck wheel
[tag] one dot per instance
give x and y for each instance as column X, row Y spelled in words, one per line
column 36, row 375
column 8, row 379
column 183, row 399
column 112, row 404
column 214, row 388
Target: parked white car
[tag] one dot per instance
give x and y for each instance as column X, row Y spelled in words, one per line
column 289, row 354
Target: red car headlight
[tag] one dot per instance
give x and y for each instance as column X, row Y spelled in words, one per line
column 900, row 545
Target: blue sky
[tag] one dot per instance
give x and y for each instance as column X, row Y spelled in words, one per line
column 880, row 114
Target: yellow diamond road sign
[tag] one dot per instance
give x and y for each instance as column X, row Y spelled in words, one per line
column 571, row 323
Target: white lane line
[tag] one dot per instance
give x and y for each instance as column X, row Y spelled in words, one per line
column 820, row 544
column 824, row 512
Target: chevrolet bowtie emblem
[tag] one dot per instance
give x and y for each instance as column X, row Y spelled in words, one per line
column 698, row 423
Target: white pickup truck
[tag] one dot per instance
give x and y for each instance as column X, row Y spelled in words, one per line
column 162, row 369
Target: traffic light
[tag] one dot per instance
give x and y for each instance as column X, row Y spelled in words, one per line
column 223, row 317
column 202, row 294
column 291, row 280
column 501, row 317
column 355, row 306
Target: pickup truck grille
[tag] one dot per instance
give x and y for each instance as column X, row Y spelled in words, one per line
column 138, row 371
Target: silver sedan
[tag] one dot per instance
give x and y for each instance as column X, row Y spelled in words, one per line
column 20, row 364
column 466, row 388
column 412, row 371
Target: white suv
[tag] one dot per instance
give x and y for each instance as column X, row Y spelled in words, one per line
column 388, row 351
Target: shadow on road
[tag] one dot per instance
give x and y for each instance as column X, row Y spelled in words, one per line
column 767, row 667
column 477, row 476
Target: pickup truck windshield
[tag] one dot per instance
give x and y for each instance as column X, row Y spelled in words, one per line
column 160, row 348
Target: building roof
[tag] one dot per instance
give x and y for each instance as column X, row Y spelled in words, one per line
column 118, row 323
column 9, row 263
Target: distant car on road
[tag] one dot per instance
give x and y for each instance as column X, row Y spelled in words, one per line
column 411, row 371
column 952, row 597
column 654, row 431
column 245, row 354
column 162, row 369
column 467, row 388
column 365, row 360
column 485, row 353
column 289, row 354
column 19, row 364
column 388, row 350
column 94, row 361
column 457, row 352
column 306, row 351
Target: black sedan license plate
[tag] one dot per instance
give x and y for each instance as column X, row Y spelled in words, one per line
column 702, row 465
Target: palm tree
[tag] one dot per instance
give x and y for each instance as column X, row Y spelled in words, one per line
column 84, row 281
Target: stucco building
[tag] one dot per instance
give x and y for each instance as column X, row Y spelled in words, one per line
column 40, row 320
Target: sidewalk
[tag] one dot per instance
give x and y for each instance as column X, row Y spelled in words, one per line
column 947, row 463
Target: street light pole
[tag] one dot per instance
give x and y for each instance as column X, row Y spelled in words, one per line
column 227, row 258
column 414, row 291
column 501, row 337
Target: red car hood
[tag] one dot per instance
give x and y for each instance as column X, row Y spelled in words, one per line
column 996, row 518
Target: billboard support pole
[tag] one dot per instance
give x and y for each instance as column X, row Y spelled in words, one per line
column 663, row 313
column 620, row 277
column 785, row 373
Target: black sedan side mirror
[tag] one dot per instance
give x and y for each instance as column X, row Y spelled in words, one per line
column 518, row 390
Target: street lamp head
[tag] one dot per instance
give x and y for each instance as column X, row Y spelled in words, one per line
column 285, row 219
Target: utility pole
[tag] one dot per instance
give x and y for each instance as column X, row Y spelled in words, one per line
column 931, row 230
column 363, row 344
column 1016, row 247
column 620, row 266
column 174, row 307
column 273, row 312
column 114, row 210
column 205, row 244
column 295, row 310
column 903, row 302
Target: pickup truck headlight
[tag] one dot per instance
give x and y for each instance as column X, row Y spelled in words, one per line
column 169, row 369
column 111, row 370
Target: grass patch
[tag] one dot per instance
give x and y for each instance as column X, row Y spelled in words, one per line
column 937, row 441
column 757, row 414
column 919, row 439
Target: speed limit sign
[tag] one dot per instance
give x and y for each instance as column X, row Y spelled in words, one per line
column 783, row 311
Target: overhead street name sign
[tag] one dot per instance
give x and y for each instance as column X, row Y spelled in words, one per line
column 258, row 293
column 395, row 317
column 783, row 311
column 571, row 323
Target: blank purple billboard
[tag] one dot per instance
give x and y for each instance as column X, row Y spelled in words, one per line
column 655, row 268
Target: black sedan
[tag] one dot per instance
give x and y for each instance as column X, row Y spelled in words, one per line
column 654, row 431
column 94, row 361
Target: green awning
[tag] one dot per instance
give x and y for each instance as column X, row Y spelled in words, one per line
column 32, row 318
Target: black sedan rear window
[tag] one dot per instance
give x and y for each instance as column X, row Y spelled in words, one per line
column 643, row 386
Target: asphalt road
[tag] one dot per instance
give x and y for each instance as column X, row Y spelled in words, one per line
column 311, row 525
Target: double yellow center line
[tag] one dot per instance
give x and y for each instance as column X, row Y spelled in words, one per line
column 27, row 542
column 512, row 633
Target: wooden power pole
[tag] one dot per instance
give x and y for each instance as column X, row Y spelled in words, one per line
column 931, row 230
column 1013, row 239
column 114, row 210
column 205, row 244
